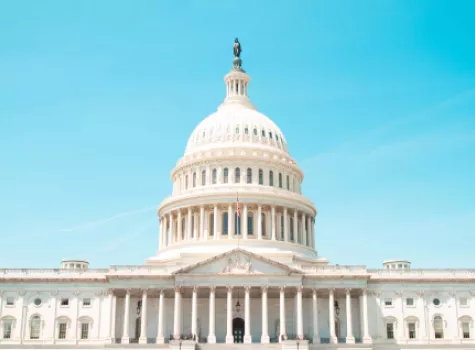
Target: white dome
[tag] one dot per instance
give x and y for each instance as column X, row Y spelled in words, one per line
column 236, row 125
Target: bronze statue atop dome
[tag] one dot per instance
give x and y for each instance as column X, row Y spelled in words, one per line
column 237, row 48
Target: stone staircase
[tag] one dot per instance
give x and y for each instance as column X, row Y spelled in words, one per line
column 273, row 346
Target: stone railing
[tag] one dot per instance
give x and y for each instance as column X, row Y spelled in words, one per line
column 417, row 273
column 34, row 272
column 335, row 269
column 140, row 269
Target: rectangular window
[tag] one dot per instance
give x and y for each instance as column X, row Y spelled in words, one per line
column 410, row 301
column 84, row 330
column 65, row 302
column 463, row 301
column 62, row 331
column 288, row 182
column 249, row 225
column 10, row 301
column 390, row 330
column 466, row 330
column 7, row 329
column 86, row 302
column 388, row 302
column 411, row 330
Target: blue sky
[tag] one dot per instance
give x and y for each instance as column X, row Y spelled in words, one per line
column 376, row 99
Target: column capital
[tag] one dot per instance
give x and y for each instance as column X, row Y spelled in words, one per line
column 53, row 293
column 299, row 289
column 247, row 288
column 315, row 291
column 331, row 291
column 128, row 291
column 195, row 289
column 230, row 289
column 162, row 292
column 282, row 288
column 264, row 288
column 364, row 291
column 421, row 293
column 177, row 289
column 212, row 289
column 348, row 291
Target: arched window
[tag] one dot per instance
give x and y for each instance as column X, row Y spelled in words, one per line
column 438, row 327
column 194, row 179
column 263, row 133
column 203, row 178
column 237, row 175
column 288, row 182
column 7, row 323
column 249, row 175
column 215, row 172
column 291, row 229
column 271, row 178
column 255, row 131
column 276, row 137
column 270, row 135
column 261, row 177
column 246, row 130
column 263, row 224
column 250, row 225
column 225, row 175
column 85, row 324
column 280, row 180
column 237, row 224
column 35, row 327
column 186, row 182
column 225, row 224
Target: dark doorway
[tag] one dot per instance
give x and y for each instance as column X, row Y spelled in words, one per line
column 238, row 330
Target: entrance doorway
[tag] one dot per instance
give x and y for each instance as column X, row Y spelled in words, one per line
column 238, row 330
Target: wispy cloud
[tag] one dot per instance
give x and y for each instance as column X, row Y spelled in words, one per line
column 95, row 223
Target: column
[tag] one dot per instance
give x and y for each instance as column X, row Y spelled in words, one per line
column 309, row 231
column 350, row 339
column 125, row 332
column 296, row 227
column 259, row 221
column 265, row 339
column 161, row 234
column 195, row 226
column 143, row 319
column 304, row 231
column 230, row 221
column 202, row 223
column 215, row 222
column 165, row 231
column 331, row 308
column 247, row 316
column 244, row 226
column 229, row 318
column 113, row 306
column 299, row 313
column 23, row 315
column 422, row 322
column 172, row 233
column 54, row 302
column 194, row 313
column 212, row 316
column 316, row 332
column 161, row 304
column 366, row 337
column 313, row 233
column 286, row 226
column 179, row 237
column 272, row 223
column 189, row 228
column 283, row 333
column 177, row 314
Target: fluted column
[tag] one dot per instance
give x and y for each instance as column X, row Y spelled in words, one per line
column 230, row 221
column 162, row 235
column 125, row 332
column 202, row 223
column 283, row 332
column 177, row 314
column 304, row 231
column 161, row 305
column 331, row 307
column 309, row 230
column 350, row 339
column 247, row 316
column 113, row 306
column 265, row 339
column 215, row 222
column 189, row 228
column 316, row 332
column 172, row 230
column 143, row 319
column 165, row 232
column 296, row 227
column 259, row 221
column 179, row 227
column 244, row 226
column 196, row 220
column 272, row 214
column 229, row 318
column 194, row 313
column 299, row 313
column 286, row 226
column 212, row 315
column 366, row 337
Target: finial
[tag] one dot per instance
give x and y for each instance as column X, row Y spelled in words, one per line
column 237, row 62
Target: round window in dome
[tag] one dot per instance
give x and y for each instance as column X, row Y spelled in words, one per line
column 436, row 301
column 37, row 302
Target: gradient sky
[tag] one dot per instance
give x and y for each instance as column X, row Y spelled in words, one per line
column 375, row 98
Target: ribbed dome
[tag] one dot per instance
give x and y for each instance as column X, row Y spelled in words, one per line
column 236, row 125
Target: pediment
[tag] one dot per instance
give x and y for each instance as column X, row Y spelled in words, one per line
column 237, row 262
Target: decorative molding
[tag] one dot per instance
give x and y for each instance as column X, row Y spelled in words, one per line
column 22, row 293
column 76, row 293
column 420, row 293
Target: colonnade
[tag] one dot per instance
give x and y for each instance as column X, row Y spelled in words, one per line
column 220, row 222
column 264, row 338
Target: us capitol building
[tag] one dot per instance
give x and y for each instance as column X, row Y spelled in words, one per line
column 237, row 263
